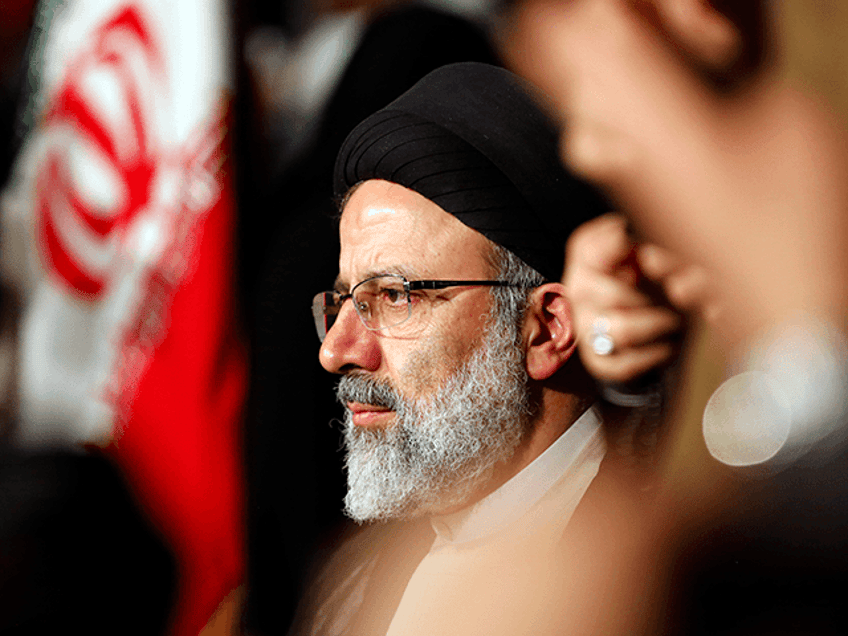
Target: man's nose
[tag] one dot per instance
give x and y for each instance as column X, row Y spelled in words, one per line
column 349, row 345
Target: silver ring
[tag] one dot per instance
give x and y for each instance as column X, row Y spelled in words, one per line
column 602, row 343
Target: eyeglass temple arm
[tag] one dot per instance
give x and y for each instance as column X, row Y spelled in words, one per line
column 442, row 284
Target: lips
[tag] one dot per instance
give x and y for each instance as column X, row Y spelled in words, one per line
column 369, row 415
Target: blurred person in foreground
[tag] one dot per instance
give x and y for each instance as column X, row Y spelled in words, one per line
column 76, row 551
column 681, row 110
column 472, row 432
column 740, row 555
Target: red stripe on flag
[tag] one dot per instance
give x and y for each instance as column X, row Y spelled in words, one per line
column 181, row 443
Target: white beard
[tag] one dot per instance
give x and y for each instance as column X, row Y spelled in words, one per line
column 442, row 448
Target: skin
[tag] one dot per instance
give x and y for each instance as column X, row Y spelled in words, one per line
column 387, row 228
column 745, row 179
column 747, row 182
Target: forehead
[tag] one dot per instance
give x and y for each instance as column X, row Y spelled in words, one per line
column 387, row 228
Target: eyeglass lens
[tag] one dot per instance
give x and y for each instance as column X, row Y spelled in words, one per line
column 381, row 302
column 324, row 312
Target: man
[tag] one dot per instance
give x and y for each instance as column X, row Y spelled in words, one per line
column 394, row 47
column 465, row 407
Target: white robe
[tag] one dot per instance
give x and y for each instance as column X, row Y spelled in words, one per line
column 491, row 565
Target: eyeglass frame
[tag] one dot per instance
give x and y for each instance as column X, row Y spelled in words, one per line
column 408, row 287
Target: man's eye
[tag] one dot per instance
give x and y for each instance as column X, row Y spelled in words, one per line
column 392, row 296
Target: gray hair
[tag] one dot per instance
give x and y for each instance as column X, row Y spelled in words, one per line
column 631, row 432
column 510, row 303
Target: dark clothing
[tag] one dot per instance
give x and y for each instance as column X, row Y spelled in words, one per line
column 76, row 554
column 775, row 561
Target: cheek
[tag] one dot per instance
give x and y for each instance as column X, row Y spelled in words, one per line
column 435, row 361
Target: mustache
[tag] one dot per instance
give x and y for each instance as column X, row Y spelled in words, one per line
column 368, row 390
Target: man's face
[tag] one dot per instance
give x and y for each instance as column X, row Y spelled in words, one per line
column 431, row 411
column 388, row 229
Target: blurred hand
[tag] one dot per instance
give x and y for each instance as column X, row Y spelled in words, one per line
column 638, row 293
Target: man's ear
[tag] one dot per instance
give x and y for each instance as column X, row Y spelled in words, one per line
column 703, row 31
column 548, row 331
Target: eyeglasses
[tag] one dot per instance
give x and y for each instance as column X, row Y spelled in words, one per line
column 385, row 301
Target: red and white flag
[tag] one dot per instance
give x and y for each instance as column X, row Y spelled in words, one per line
column 119, row 231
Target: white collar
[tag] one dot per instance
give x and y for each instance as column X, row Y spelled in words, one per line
column 567, row 467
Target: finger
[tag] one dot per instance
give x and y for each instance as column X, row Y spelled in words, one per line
column 686, row 287
column 628, row 365
column 689, row 289
column 639, row 327
column 597, row 293
column 657, row 263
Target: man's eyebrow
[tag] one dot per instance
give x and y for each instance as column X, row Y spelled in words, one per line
column 406, row 271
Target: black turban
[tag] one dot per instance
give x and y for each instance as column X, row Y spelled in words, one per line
column 470, row 138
